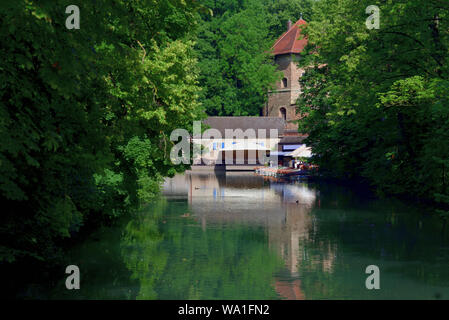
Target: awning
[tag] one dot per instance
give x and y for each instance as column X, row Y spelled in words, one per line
column 249, row 145
column 291, row 147
column 301, row 152
column 279, row 153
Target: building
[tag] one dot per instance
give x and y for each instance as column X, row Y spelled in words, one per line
column 282, row 100
column 279, row 113
column 239, row 142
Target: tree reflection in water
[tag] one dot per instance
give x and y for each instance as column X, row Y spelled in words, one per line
column 140, row 247
column 245, row 230
column 238, row 236
column 179, row 260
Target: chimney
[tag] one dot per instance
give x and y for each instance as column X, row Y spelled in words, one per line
column 289, row 24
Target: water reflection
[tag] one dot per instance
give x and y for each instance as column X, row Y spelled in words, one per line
column 240, row 236
column 140, row 247
column 282, row 209
column 326, row 236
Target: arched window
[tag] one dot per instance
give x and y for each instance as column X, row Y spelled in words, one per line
column 284, row 83
column 283, row 113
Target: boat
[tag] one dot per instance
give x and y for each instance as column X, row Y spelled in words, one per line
column 280, row 172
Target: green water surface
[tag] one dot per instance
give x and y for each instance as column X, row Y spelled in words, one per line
column 238, row 236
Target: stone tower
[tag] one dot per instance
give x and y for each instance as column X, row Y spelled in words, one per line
column 281, row 100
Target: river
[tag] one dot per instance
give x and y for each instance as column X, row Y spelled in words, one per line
column 240, row 236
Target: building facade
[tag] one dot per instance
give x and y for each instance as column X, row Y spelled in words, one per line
column 282, row 99
column 238, row 140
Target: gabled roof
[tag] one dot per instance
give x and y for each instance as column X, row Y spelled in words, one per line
column 244, row 123
column 291, row 41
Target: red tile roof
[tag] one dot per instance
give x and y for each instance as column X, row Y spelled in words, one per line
column 291, row 41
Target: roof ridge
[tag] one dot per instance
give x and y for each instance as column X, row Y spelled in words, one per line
column 289, row 41
column 285, row 33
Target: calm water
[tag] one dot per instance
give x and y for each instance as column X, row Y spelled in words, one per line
column 238, row 236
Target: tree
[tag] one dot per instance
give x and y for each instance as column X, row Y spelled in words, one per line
column 86, row 114
column 375, row 98
column 233, row 53
column 280, row 11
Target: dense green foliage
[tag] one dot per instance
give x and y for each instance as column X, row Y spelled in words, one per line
column 86, row 114
column 378, row 99
column 233, row 49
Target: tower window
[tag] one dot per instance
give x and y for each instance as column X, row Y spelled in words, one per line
column 284, row 83
column 283, row 113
